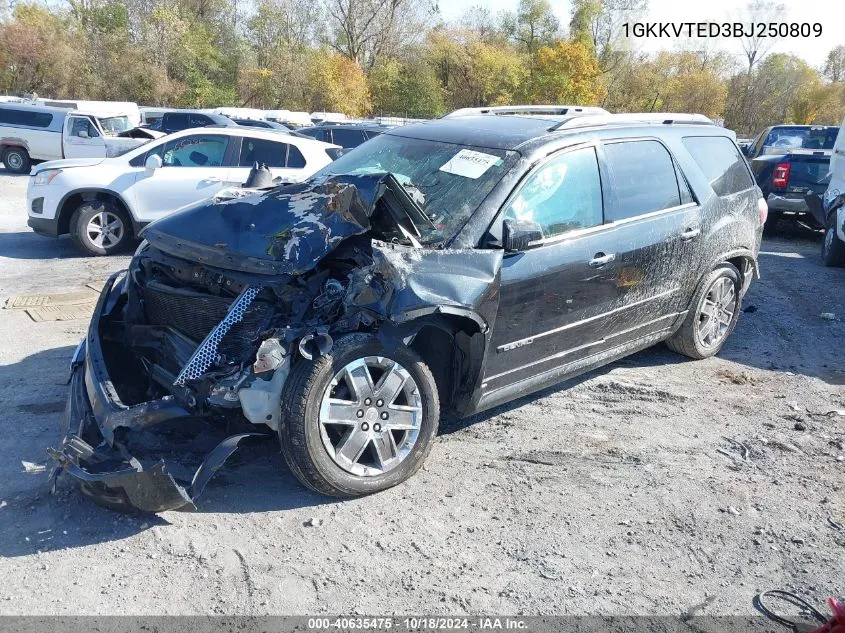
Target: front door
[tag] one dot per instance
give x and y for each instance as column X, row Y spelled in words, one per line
column 194, row 168
column 555, row 295
column 82, row 139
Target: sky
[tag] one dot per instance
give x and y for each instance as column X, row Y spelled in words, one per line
column 829, row 13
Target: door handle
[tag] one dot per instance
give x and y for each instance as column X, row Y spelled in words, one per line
column 600, row 259
column 690, row 234
column 212, row 179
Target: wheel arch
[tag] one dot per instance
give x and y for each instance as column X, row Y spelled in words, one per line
column 453, row 347
column 70, row 202
column 743, row 259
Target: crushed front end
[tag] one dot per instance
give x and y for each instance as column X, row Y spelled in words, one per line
column 189, row 349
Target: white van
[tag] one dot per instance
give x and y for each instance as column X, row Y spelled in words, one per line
column 32, row 133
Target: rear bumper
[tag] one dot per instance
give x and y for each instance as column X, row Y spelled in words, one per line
column 101, row 429
column 786, row 204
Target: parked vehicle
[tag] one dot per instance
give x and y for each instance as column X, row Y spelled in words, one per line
column 104, row 109
column 347, row 135
column 178, row 120
column 102, row 203
column 829, row 209
column 787, row 179
column 290, row 118
column 267, row 125
column 32, row 133
column 446, row 267
column 151, row 115
column 782, row 139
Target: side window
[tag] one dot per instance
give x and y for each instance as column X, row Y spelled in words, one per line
column 721, row 163
column 83, row 128
column 198, row 120
column 259, row 150
column 200, row 150
column 562, row 195
column 642, row 179
column 25, row 117
column 295, row 158
column 175, row 121
column 348, row 138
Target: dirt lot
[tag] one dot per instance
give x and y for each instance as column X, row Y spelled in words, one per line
column 624, row 492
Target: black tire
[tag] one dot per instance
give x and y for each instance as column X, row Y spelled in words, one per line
column 16, row 160
column 80, row 223
column 299, row 434
column 688, row 340
column 833, row 250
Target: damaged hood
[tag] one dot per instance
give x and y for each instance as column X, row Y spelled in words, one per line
column 287, row 230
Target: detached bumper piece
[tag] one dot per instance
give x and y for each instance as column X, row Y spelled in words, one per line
column 114, row 451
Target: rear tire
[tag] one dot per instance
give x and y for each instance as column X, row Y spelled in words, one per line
column 713, row 315
column 17, row 160
column 100, row 227
column 316, row 452
column 833, row 250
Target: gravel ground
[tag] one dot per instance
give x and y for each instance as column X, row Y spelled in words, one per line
column 656, row 485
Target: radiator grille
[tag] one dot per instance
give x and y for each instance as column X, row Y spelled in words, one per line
column 195, row 315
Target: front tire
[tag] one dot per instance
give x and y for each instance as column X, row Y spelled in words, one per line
column 713, row 315
column 100, row 227
column 17, row 160
column 833, row 250
column 359, row 420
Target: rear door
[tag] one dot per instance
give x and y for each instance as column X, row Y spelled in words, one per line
column 194, row 167
column 82, row 139
column 655, row 229
column 285, row 160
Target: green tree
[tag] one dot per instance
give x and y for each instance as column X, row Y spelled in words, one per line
column 407, row 89
column 567, row 72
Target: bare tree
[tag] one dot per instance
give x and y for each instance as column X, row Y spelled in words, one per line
column 757, row 44
column 364, row 30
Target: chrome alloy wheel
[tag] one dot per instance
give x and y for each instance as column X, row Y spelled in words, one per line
column 105, row 229
column 717, row 312
column 370, row 416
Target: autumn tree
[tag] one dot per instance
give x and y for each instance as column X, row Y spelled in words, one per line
column 567, row 72
column 407, row 88
column 337, row 84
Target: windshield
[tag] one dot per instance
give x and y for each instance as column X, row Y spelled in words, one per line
column 115, row 124
column 802, row 137
column 448, row 181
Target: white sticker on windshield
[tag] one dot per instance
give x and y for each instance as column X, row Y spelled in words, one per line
column 470, row 164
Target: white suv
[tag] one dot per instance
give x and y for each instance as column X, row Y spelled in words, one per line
column 103, row 202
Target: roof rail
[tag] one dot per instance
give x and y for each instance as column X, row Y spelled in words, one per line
column 664, row 118
column 528, row 110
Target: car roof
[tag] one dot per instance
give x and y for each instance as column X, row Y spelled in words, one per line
column 515, row 132
column 350, row 125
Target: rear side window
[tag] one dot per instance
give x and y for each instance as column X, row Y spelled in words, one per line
column 25, row 117
column 199, row 120
column 295, row 157
column 564, row 194
column 176, row 121
column 259, row 150
column 642, row 179
column 721, row 163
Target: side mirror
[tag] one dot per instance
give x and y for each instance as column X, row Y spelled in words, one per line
column 153, row 162
column 517, row 235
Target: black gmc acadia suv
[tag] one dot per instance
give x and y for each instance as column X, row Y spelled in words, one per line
column 440, row 269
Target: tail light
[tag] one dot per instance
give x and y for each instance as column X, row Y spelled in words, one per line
column 780, row 177
column 763, row 209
